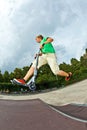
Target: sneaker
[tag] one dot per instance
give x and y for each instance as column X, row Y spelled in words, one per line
column 68, row 78
column 20, row 81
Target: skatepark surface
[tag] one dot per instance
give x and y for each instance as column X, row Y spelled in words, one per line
column 61, row 109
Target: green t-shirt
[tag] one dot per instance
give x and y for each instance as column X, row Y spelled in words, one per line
column 48, row 48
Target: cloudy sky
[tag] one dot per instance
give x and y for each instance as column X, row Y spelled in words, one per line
column 22, row 20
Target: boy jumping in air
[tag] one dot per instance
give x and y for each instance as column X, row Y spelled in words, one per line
column 47, row 56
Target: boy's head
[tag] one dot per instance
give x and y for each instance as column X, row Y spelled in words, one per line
column 39, row 38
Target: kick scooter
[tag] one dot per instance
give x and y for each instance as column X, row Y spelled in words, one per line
column 31, row 83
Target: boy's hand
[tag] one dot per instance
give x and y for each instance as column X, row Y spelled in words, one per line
column 40, row 54
column 41, row 46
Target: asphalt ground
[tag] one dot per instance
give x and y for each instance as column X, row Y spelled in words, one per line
column 35, row 115
column 61, row 109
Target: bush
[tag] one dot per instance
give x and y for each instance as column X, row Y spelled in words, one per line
column 8, row 88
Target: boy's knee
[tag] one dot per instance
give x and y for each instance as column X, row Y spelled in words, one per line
column 56, row 72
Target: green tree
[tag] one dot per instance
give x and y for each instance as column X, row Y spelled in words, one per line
column 65, row 67
column 24, row 70
column 12, row 75
column 1, row 77
column 18, row 73
column 74, row 61
column 86, row 50
column 6, row 76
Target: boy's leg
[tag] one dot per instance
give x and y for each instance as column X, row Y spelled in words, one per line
column 27, row 76
column 63, row 73
column 52, row 61
column 42, row 61
column 29, row 73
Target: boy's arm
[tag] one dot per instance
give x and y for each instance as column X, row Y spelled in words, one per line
column 49, row 39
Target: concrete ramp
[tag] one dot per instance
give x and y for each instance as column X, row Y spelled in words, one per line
column 77, row 111
column 36, row 115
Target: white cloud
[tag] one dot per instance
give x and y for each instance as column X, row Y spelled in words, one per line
column 21, row 21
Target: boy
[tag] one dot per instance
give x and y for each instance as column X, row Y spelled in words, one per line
column 47, row 56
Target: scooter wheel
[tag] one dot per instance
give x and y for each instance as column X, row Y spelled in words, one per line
column 32, row 86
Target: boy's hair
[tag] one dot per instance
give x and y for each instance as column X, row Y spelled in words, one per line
column 40, row 36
